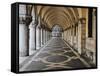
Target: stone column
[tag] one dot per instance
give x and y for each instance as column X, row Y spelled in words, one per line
column 67, row 35
column 49, row 35
column 94, row 34
column 32, row 37
column 76, row 37
column 72, row 36
column 38, row 37
column 81, row 36
column 63, row 35
column 45, row 36
column 23, row 40
column 41, row 37
column 23, row 32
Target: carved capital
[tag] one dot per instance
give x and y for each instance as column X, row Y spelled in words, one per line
column 82, row 21
column 32, row 25
column 22, row 20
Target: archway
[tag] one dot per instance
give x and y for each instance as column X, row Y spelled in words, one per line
column 56, row 31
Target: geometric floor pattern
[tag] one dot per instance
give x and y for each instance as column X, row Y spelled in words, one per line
column 56, row 54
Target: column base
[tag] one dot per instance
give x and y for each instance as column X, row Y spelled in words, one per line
column 32, row 52
column 37, row 47
column 23, row 54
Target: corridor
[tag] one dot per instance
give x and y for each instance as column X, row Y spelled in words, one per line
column 56, row 54
column 56, row 37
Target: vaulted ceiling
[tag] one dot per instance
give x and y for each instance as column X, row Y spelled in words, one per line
column 57, row 15
column 62, row 16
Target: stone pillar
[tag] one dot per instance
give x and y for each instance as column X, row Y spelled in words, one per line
column 62, row 35
column 32, row 37
column 49, row 34
column 45, row 36
column 23, row 32
column 38, row 37
column 23, row 40
column 72, row 36
column 41, row 37
column 94, row 34
column 76, row 37
column 81, row 36
column 67, row 35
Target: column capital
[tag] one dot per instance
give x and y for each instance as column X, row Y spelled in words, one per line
column 82, row 21
column 38, row 26
column 22, row 19
column 32, row 25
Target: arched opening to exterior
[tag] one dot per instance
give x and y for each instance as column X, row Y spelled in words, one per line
column 56, row 31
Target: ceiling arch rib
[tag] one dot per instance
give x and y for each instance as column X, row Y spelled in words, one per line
column 73, row 10
column 54, row 8
column 60, row 14
column 76, row 13
column 71, row 15
column 59, row 9
column 38, row 8
column 54, row 19
column 46, row 17
column 60, row 18
column 64, row 16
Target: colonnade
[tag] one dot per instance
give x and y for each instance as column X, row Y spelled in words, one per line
column 77, row 36
column 35, row 34
column 32, row 38
column 32, row 33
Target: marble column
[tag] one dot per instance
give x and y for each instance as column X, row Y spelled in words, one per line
column 76, row 37
column 44, row 32
column 63, row 35
column 45, row 36
column 38, row 37
column 41, row 37
column 72, row 36
column 94, row 34
column 81, row 37
column 23, row 40
column 32, row 37
column 48, row 35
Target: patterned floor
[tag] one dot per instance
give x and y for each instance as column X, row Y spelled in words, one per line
column 56, row 54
